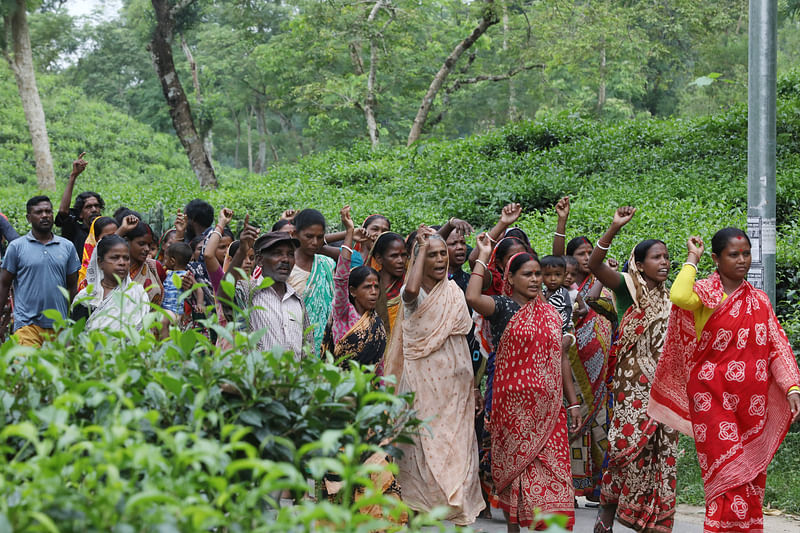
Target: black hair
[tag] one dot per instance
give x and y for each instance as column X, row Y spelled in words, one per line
column 383, row 242
column 553, row 261
column 181, row 251
column 570, row 261
column 280, row 224
column 140, row 230
column 640, row 252
column 200, row 211
column 358, row 275
column 503, row 248
column 36, row 200
column 410, row 241
column 373, row 218
column 228, row 233
column 102, row 222
column 107, row 243
column 194, row 242
column 721, row 238
column 122, row 212
column 520, row 260
column 234, row 247
column 521, row 235
column 307, row 218
column 577, row 242
column 80, row 201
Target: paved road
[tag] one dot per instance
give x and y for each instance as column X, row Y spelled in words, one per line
column 689, row 520
column 584, row 522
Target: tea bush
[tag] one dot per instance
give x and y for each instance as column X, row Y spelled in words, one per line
column 119, row 431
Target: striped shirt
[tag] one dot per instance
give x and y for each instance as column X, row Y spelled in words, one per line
column 284, row 318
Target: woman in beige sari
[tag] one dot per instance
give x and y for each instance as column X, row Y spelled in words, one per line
column 429, row 356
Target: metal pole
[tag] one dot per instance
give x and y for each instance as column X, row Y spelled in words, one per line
column 761, row 85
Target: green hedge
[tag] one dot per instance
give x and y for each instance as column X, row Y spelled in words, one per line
column 685, row 176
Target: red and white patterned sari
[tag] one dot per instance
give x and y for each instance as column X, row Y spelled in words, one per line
column 530, row 449
column 728, row 390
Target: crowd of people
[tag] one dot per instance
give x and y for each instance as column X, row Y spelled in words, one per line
column 541, row 377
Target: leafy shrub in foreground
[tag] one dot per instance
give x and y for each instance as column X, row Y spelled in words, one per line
column 120, row 430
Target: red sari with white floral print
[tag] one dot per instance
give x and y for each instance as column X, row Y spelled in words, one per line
column 530, row 450
column 728, row 389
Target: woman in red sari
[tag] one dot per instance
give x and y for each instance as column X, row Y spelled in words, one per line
column 530, row 449
column 727, row 377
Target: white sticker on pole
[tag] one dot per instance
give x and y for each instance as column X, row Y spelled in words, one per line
column 755, row 233
column 756, row 275
column 768, row 239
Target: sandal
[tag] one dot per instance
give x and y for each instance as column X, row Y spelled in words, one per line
column 600, row 527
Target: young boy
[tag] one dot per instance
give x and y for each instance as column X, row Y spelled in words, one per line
column 569, row 283
column 176, row 258
column 553, row 272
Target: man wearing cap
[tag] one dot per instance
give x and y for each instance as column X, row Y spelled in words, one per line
column 277, row 309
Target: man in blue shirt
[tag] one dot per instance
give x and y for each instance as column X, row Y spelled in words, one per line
column 37, row 264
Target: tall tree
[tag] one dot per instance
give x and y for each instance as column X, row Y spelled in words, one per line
column 20, row 59
column 160, row 49
column 488, row 19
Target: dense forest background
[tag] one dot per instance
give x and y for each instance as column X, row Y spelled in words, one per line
column 271, row 81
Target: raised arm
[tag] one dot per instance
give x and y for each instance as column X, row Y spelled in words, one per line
column 128, row 223
column 508, row 216
column 682, row 292
column 180, row 226
column 246, row 240
column 607, row 275
column 78, row 166
column 414, row 279
column 478, row 301
column 455, row 224
column 210, row 250
column 560, row 236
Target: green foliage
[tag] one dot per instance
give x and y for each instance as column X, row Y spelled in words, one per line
column 177, row 435
column 783, row 476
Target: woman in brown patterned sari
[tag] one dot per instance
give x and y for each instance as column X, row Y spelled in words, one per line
column 639, row 484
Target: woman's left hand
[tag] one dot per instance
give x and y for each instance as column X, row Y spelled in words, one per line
column 478, row 402
column 794, row 405
column 575, row 418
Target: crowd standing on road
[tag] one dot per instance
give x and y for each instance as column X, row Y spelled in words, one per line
column 541, row 378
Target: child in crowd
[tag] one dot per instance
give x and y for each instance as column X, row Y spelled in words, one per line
column 570, row 269
column 176, row 260
column 553, row 274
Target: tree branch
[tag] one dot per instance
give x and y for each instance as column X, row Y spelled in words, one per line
column 497, row 77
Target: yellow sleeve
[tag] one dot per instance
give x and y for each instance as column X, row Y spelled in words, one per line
column 682, row 293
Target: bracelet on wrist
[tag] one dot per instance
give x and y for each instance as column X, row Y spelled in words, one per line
column 476, row 274
column 690, row 264
column 573, row 406
column 557, row 234
column 604, row 248
column 482, row 264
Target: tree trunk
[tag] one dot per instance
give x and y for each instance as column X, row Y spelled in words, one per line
column 22, row 66
column 489, row 19
column 179, row 110
column 238, row 124
column 601, row 89
column 513, row 114
column 249, row 142
column 261, row 162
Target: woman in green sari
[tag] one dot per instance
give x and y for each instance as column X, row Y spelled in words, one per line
column 312, row 276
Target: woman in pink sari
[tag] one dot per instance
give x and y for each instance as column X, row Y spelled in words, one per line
column 429, row 355
column 727, row 377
